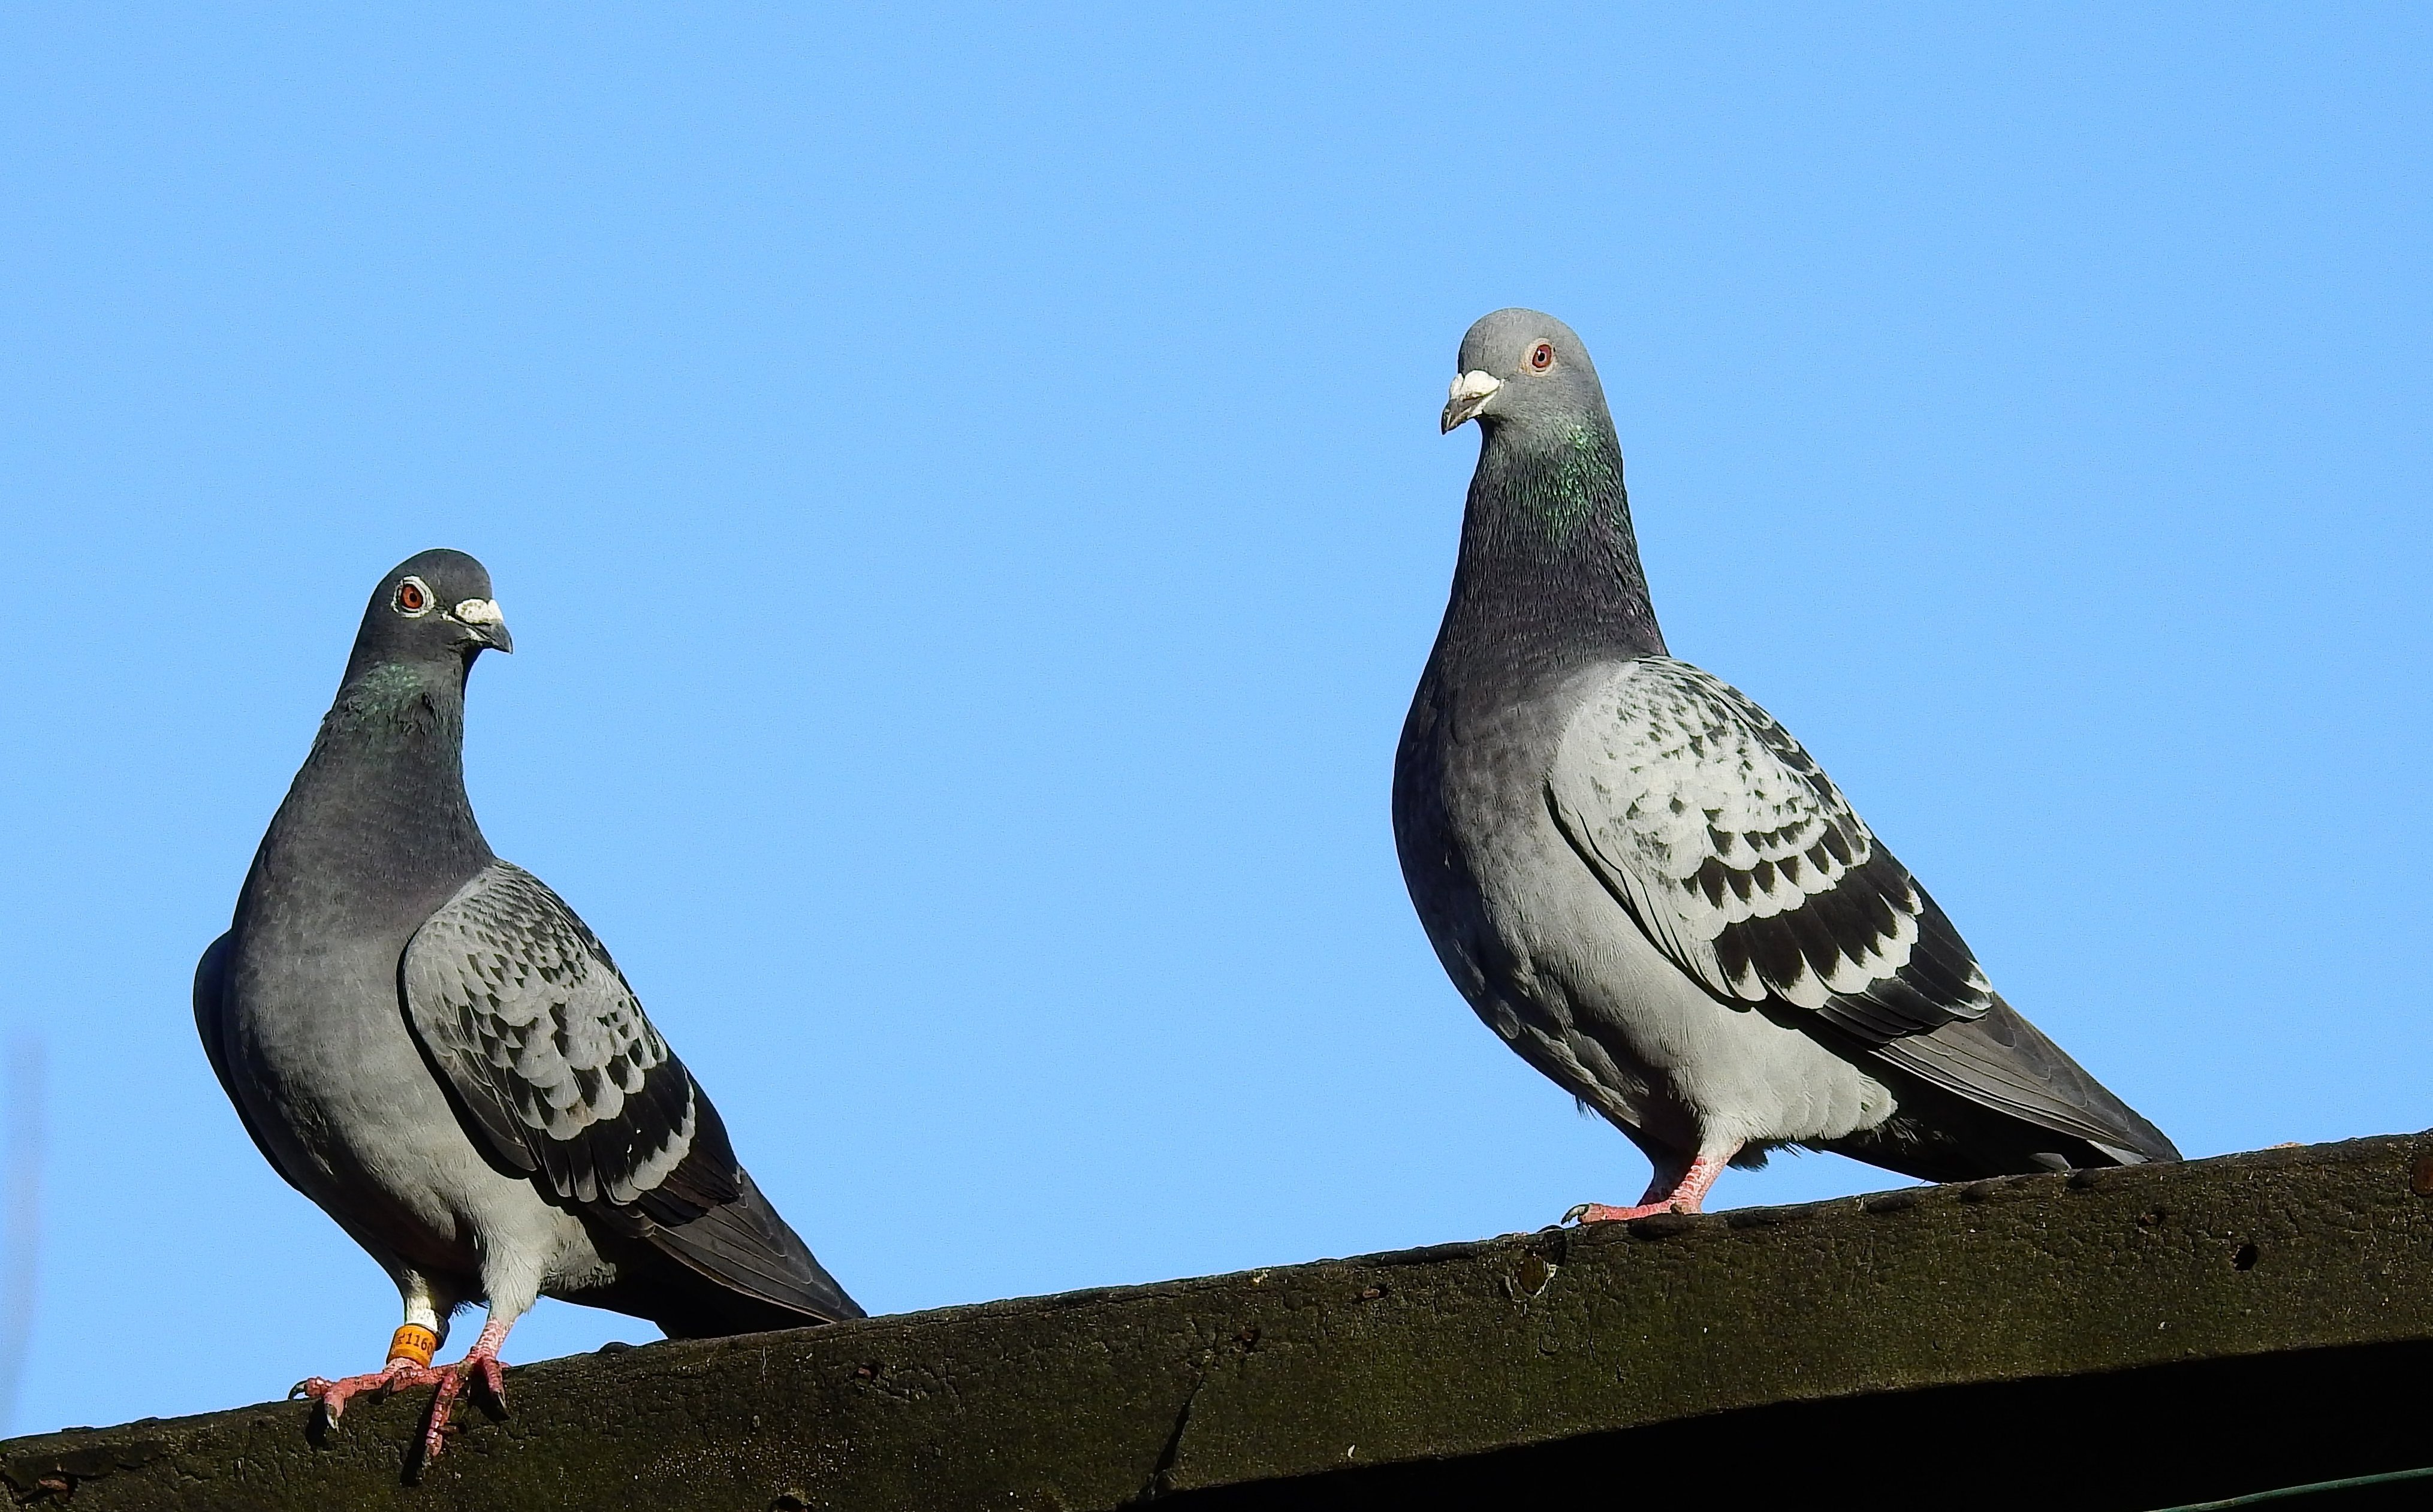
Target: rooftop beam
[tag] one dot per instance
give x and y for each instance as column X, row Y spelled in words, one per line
column 2027, row 1309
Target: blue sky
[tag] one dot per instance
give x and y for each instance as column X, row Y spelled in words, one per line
column 967, row 496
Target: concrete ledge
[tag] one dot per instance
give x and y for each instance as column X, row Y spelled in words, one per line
column 2227, row 1325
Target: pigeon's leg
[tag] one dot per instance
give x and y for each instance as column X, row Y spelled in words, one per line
column 481, row 1361
column 409, row 1355
column 1678, row 1186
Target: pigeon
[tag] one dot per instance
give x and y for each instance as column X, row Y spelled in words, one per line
column 427, row 1042
column 1649, row 890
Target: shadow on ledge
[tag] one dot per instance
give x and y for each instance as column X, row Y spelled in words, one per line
column 2128, row 1442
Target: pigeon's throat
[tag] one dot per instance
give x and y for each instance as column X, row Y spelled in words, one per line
column 1563, row 488
column 387, row 768
column 377, row 828
column 1549, row 562
column 395, row 710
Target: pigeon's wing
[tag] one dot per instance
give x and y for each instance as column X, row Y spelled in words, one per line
column 210, row 1003
column 535, row 1031
column 1743, row 861
column 549, row 1052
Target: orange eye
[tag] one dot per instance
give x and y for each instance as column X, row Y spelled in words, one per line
column 1542, row 356
column 411, row 598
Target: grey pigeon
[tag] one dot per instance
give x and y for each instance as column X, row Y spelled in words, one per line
column 427, row 1042
column 1648, row 889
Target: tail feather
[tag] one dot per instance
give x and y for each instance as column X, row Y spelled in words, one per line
column 2004, row 1062
column 746, row 1247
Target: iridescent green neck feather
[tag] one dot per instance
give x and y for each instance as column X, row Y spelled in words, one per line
column 1549, row 576
column 378, row 813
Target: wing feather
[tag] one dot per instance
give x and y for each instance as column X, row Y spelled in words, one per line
column 550, row 1053
column 1744, row 862
column 548, row 1048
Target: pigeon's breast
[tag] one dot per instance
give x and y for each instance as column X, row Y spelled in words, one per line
column 333, row 1080
column 1463, row 774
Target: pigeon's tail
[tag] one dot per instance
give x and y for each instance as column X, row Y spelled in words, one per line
column 766, row 1275
column 1993, row 1097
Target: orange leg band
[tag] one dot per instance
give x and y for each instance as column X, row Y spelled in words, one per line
column 413, row 1344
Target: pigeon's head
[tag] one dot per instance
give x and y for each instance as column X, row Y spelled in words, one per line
column 1522, row 365
column 432, row 608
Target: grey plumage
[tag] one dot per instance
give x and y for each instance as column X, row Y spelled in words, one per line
column 1644, row 884
column 428, row 1043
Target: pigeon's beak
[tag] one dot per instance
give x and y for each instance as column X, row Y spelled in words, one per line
column 1471, row 392
column 489, row 627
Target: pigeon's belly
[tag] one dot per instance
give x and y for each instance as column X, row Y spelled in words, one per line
column 1642, row 1040
column 342, row 1093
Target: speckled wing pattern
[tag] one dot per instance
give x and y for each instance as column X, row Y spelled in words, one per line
column 1743, row 863
column 544, row 1043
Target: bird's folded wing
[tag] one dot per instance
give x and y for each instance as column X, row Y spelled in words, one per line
column 547, row 1048
column 1743, row 863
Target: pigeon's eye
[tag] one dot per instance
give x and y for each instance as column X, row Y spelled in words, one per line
column 413, row 597
column 1542, row 356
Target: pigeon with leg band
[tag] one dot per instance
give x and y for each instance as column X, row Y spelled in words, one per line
column 428, row 1044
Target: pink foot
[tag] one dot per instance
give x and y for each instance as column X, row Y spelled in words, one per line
column 1678, row 1186
column 1599, row 1213
column 335, row 1395
column 481, row 1362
